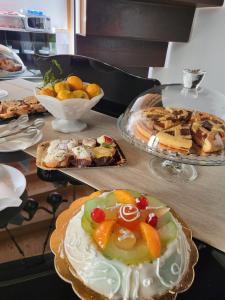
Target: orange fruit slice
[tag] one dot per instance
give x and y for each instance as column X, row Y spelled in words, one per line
column 75, row 82
column 61, row 85
column 64, row 94
column 124, row 197
column 151, row 236
column 93, row 90
column 102, row 233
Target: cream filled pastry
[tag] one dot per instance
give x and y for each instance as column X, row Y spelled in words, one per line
column 127, row 245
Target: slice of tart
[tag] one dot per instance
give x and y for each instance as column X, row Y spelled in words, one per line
column 209, row 135
column 177, row 137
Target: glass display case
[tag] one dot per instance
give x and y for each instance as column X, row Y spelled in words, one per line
column 27, row 44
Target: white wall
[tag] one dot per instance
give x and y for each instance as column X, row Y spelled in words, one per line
column 205, row 50
column 56, row 9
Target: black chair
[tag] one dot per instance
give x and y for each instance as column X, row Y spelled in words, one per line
column 120, row 88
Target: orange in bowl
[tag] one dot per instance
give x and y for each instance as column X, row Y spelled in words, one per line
column 93, row 90
column 75, row 82
column 61, row 85
column 48, row 91
column 80, row 94
column 64, row 94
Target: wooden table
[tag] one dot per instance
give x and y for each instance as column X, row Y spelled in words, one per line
column 200, row 203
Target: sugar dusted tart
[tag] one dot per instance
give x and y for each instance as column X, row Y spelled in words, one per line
column 125, row 245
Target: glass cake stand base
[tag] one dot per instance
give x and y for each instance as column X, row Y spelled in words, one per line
column 172, row 171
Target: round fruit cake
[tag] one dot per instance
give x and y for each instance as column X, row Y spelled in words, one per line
column 125, row 245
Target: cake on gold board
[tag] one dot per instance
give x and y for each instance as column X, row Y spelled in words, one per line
column 125, row 245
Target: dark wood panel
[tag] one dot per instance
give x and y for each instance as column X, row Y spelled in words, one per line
column 140, row 20
column 200, row 3
column 122, row 52
column 138, row 71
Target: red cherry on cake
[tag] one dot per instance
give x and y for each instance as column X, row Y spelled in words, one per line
column 152, row 219
column 108, row 140
column 98, row 215
column 141, row 202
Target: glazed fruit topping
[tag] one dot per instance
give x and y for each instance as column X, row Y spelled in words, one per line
column 142, row 202
column 129, row 216
column 152, row 219
column 98, row 215
column 124, row 197
column 124, row 238
column 103, row 232
column 152, row 238
column 129, row 213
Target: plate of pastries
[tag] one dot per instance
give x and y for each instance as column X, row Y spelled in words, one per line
column 15, row 108
column 178, row 130
column 79, row 153
column 123, row 244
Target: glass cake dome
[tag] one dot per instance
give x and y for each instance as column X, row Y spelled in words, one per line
column 183, row 125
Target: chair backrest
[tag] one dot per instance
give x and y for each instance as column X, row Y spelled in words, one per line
column 120, row 88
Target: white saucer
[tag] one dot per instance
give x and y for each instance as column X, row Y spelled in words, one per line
column 13, row 146
column 13, row 178
column 3, row 93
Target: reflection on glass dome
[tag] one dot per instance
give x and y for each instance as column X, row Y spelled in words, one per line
column 179, row 124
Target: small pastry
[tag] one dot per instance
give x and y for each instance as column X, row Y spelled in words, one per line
column 89, row 142
column 30, row 100
column 57, row 155
column 103, row 156
column 72, row 143
column 82, row 157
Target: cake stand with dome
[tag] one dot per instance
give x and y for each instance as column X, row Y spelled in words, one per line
column 173, row 165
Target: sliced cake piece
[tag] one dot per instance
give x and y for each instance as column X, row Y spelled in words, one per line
column 209, row 134
column 177, row 137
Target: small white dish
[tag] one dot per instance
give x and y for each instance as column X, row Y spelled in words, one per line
column 13, row 178
column 67, row 112
column 3, row 93
column 21, row 144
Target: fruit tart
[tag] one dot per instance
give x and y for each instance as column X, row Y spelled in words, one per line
column 125, row 245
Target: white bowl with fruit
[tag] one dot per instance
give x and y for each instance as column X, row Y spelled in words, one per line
column 68, row 100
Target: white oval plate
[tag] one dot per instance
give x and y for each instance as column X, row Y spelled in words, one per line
column 13, row 178
column 13, row 146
